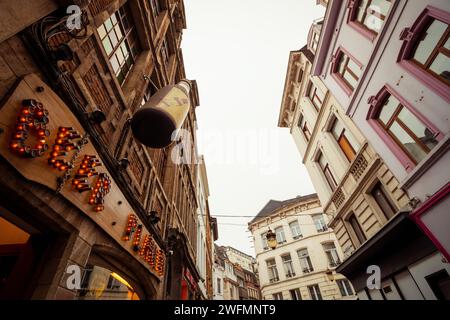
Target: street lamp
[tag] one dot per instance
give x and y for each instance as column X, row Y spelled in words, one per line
column 271, row 239
column 154, row 124
column 331, row 274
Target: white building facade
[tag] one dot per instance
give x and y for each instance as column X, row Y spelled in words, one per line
column 302, row 267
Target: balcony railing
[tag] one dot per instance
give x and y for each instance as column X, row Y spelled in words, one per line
column 364, row 160
column 290, row 274
column 307, row 270
column 334, row 264
column 273, row 280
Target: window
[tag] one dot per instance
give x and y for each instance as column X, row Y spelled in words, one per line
column 219, row 285
column 287, row 265
column 165, row 52
column 314, row 292
column 295, row 230
column 432, row 52
column 295, row 294
column 323, row 163
column 231, row 291
column 300, row 75
column 411, row 134
column 346, row 71
column 383, row 201
column 356, row 227
column 305, row 261
column 368, row 16
column 345, row 140
column 345, row 287
column 316, row 96
column 303, row 125
column 315, row 41
column 272, row 269
column 119, row 39
column 116, row 287
column 319, row 222
column 425, row 52
column 280, row 235
column 332, row 254
column 264, row 241
column 277, row 296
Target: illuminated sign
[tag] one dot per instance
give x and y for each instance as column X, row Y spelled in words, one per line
column 31, row 120
column 147, row 250
column 44, row 141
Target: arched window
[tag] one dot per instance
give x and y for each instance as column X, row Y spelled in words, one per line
column 102, row 284
column 426, row 50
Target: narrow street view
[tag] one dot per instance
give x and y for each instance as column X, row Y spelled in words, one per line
column 225, row 150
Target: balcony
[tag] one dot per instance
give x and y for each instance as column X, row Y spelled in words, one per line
column 274, row 280
column 365, row 160
column 243, row 293
column 307, row 270
column 290, row 275
column 334, row 264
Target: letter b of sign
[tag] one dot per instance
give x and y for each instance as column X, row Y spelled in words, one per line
column 374, row 280
column 73, row 281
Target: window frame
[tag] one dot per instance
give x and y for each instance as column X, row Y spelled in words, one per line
column 343, row 136
column 277, row 296
column 304, row 127
column 286, row 260
column 297, row 293
column 360, row 27
column 308, row 260
column 356, row 227
column 297, row 227
column 271, row 268
column 338, row 77
column 315, row 288
column 345, row 287
column 332, row 261
column 282, row 232
column 122, row 14
column 376, row 103
column 312, row 95
column 331, row 180
column 322, row 220
column 410, row 37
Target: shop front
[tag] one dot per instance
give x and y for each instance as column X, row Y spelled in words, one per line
column 67, row 231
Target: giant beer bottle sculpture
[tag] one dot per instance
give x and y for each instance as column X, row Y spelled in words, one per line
column 153, row 125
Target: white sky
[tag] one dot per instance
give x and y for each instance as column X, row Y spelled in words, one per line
column 238, row 51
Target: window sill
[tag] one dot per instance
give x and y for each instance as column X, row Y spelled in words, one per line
column 348, row 91
column 366, row 33
column 434, row 156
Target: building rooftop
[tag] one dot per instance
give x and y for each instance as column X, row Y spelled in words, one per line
column 274, row 205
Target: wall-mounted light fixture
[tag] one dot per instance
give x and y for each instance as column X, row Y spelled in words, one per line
column 271, row 239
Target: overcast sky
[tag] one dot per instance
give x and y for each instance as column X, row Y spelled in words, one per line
column 238, row 51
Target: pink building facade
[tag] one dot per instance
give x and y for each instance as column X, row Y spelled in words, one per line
column 387, row 62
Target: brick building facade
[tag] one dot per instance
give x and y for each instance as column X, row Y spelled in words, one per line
column 110, row 65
